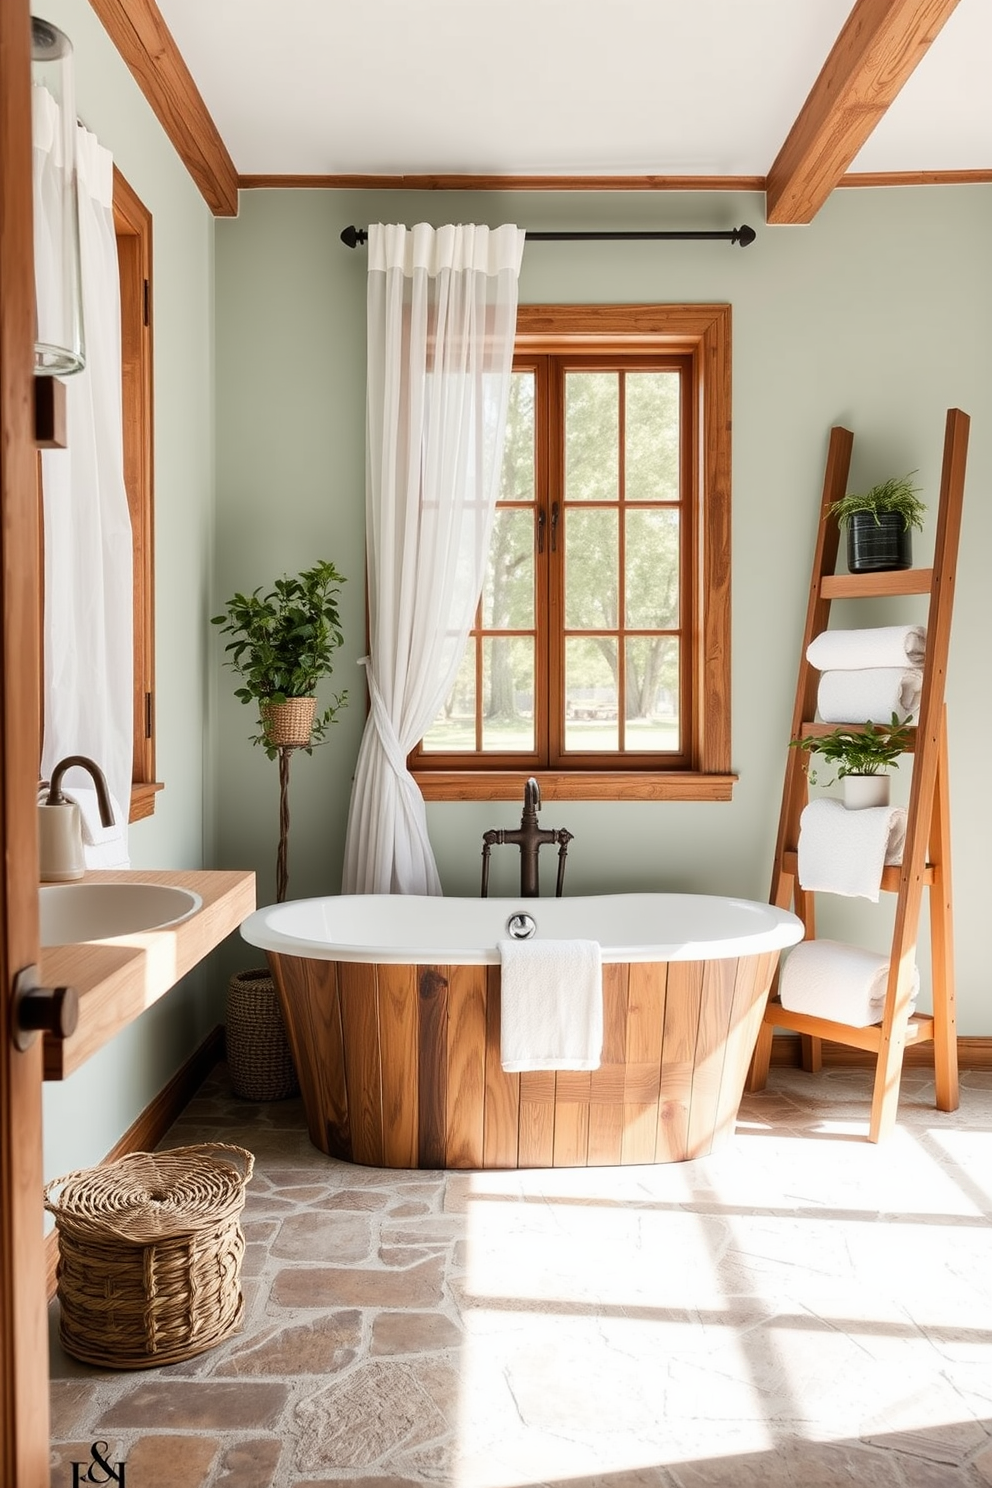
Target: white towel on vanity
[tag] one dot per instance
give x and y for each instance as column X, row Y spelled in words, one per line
column 828, row 979
column 551, row 1004
column 866, row 694
column 877, row 646
column 844, row 852
column 103, row 847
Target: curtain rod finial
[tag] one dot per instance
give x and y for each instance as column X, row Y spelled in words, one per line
column 744, row 235
column 352, row 236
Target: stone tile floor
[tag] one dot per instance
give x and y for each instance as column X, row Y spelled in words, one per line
column 802, row 1308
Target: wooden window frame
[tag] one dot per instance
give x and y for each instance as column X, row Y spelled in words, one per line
column 133, row 228
column 702, row 335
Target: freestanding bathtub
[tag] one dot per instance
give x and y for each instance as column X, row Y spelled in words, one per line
column 392, row 1009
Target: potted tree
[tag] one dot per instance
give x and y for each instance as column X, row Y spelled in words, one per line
column 861, row 758
column 879, row 524
column 282, row 647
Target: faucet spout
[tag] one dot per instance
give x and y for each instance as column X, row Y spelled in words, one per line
column 56, row 798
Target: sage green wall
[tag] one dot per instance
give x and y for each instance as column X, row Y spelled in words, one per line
column 876, row 316
column 85, row 1115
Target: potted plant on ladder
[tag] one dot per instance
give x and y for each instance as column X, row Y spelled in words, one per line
column 880, row 524
column 282, row 647
column 861, row 758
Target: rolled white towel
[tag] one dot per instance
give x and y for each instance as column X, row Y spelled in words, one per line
column 551, row 1004
column 869, row 694
column 878, row 646
column 828, row 979
column 844, row 852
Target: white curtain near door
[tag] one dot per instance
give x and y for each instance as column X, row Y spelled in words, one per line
column 88, row 624
column 442, row 306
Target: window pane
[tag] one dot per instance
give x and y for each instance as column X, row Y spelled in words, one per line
column 508, row 593
column 508, row 688
column 651, row 560
column 454, row 727
column 592, row 436
column 651, row 445
column 592, row 562
column 652, row 692
column 591, row 693
column 517, row 483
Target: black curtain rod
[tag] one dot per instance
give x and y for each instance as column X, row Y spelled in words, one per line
column 352, row 237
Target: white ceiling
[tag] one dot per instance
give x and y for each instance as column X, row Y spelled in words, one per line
column 557, row 87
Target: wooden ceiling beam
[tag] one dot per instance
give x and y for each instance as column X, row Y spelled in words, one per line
column 881, row 43
column 139, row 32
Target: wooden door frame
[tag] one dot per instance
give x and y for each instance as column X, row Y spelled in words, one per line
column 24, row 1419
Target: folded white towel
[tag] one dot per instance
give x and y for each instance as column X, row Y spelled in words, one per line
column 103, row 847
column 844, row 852
column 878, row 646
column 830, row 980
column 869, row 694
column 551, row 1004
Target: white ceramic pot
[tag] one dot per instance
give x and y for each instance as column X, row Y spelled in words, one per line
column 865, row 790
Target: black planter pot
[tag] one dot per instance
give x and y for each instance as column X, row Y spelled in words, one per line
column 875, row 546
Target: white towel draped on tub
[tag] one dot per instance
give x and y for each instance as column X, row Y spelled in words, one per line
column 844, row 852
column 878, row 646
column 551, row 1004
column 828, row 979
column 869, row 694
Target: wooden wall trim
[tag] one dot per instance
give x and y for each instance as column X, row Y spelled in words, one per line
column 878, row 48
column 151, row 1125
column 139, row 32
column 917, row 178
column 595, row 183
column 973, row 1053
column 448, row 182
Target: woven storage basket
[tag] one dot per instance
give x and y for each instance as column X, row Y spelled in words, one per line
column 258, row 1056
column 150, row 1252
column 289, row 724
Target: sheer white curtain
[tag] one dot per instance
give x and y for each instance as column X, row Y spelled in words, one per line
column 87, row 525
column 442, row 306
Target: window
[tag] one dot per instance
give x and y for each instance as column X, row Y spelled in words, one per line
column 599, row 660
column 133, row 228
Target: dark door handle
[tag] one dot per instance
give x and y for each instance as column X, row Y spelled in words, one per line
column 35, row 1009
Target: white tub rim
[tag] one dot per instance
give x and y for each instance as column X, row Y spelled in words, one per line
column 758, row 927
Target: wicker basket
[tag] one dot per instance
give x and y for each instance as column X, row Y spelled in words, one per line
column 150, row 1252
column 258, row 1057
column 289, row 724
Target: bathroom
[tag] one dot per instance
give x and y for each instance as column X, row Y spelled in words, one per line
column 874, row 316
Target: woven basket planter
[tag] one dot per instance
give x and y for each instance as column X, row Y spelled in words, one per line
column 258, row 1057
column 288, row 725
column 150, row 1251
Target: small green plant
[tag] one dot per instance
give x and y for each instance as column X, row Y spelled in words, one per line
column 284, row 642
column 866, row 751
column 898, row 495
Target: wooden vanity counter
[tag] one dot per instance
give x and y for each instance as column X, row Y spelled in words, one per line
column 118, row 978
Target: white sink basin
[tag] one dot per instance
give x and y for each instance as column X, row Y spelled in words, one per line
column 72, row 913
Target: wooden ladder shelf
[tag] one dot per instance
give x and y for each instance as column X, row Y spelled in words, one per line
column 926, row 855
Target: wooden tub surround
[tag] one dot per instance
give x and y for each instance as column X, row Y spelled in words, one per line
column 392, row 1008
column 400, row 1065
